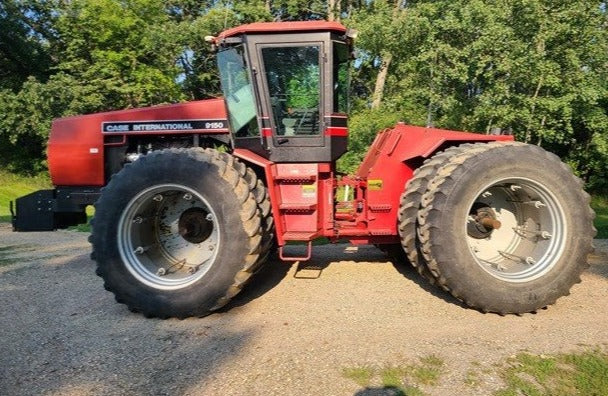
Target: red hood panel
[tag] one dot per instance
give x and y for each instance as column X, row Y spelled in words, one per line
column 76, row 144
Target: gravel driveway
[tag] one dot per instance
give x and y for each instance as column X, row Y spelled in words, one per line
column 293, row 331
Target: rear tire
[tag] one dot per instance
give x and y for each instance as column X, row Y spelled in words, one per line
column 539, row 247
column 177, row 233
column 411, row 201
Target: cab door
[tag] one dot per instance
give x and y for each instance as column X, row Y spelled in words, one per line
column 292, row 82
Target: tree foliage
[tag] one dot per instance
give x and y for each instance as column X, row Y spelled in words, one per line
column 536, row 67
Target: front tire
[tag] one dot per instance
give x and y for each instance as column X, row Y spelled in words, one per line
column 177, row 233
column 506, row 228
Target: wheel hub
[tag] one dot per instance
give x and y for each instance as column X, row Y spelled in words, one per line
column 483, row 221
column 194, row 225
column 515, row 229
column 168, row 236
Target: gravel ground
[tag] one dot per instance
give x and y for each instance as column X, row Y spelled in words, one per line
column 291, row 332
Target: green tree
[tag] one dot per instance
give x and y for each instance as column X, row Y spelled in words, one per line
column 106, row 55
column 124, row 52
column 25, row 38
column 536, row 67
column 25, row 120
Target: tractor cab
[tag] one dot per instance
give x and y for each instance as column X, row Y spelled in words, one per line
column 286, row 88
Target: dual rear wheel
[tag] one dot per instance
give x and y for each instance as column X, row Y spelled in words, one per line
column 504, row 227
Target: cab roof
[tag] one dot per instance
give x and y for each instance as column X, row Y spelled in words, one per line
column 283, row 27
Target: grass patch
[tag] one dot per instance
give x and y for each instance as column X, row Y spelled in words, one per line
column 7, row 261
column 86, row 227
column 361, row 375
column 13, row 186
column 581, row 373
column 393, row 376
column 584, row 373
column 472, row 379
column 600, row 205
column 404, row 379
column 5, row 255
column 428, row 371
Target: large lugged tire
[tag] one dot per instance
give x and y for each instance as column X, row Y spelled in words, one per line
column 505, row 227
column 260, row 193
column 411, row 201
column 177, row 233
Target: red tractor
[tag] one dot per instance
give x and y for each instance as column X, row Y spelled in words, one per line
column 192, row 198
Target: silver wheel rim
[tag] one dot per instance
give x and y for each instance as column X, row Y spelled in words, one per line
column 168, row 236
column 530, row 237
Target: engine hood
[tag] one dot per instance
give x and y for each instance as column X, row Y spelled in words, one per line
column 76, row 144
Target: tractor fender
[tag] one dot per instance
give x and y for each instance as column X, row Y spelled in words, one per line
column 424, row 142
column 404, row 143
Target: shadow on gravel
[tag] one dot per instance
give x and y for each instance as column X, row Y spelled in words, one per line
column 268, row 277
column 598, row 263
column 275, row 270
column 599, row 270
column 382, row 391
column 411, row 274
column 160, row 362
column 62, row 333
